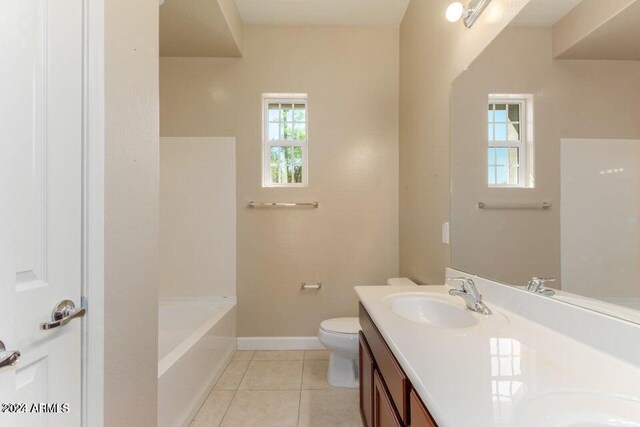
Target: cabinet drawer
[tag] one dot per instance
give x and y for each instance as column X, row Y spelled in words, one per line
column 397, row 383
column 420, row 417
column 367, row 368
column 384, row 413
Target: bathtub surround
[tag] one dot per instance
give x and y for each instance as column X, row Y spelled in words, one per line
column 433, row 52
column 587, row 269
column 197, row 217
column 351, row 77
column 197, row 313
column 131, row 273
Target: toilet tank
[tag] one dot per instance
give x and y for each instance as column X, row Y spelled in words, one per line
column 400, row 281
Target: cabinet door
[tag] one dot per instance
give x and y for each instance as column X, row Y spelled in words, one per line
column 384, row 414
column 367, row 366
column 420, row 417
column 395, row 380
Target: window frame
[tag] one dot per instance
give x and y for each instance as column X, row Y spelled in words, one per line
column 268, row 144
column 521, row 144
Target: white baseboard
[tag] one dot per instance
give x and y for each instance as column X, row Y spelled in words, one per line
column 279, row 343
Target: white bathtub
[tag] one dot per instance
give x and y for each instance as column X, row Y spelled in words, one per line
column 196, row 339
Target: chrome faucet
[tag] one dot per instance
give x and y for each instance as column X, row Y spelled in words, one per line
column 536, row 285
column 469, row 293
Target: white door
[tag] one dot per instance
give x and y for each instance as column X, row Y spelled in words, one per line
column 41, row 56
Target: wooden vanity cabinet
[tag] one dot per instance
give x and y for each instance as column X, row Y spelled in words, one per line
column 420, row 417
column 367, row 368
column 386, row 396
column 394, row 378
column 384, row 413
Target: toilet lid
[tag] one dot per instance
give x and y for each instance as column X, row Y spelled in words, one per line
column 341, row 325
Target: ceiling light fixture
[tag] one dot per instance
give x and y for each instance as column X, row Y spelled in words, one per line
column 456, row 11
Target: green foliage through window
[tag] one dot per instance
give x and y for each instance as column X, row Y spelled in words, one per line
column 286, row 165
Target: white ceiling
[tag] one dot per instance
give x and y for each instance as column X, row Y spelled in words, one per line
column 544, row 13
column 322, row 12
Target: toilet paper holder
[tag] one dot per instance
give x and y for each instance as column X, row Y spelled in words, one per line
column 305, row 285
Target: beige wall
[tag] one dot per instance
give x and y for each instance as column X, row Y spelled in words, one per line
column 351, row 76
column 433, row 52
column 572, row 99
column 197, row 217
column 131, row 213
column 211, row 28
column 572, row 33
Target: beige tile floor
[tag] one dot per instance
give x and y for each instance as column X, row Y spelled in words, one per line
column 279, row 389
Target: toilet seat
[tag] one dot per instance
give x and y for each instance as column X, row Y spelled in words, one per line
column 341, row 325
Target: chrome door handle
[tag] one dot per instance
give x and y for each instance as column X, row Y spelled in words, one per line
column 64, row 312
column 8, row 358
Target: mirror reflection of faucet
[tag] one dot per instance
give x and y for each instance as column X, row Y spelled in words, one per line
column 537, row 286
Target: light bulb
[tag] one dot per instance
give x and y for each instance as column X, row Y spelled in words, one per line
column 455, row 11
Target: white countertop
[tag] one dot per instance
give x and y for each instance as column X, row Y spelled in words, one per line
column 506, row 370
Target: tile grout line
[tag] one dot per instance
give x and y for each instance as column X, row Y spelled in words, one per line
column 203, row 402
column 299, row 407
column 213, row 389
column 250, row 360
column 300, row 394
column 302, row 375
column 284, row 389
column 235, row 392
column 300, row 389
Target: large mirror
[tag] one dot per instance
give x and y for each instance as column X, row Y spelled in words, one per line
column 546, row 155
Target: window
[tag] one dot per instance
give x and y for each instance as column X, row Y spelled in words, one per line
column 509, row 143
column 285, row 156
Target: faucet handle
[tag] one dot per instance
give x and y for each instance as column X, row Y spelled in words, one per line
column 468, row 286
column 462, row 280
column 536, row 284
column 470, row 294
column 541, row 280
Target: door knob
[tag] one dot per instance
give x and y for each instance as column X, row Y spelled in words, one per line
column 8, row 358
column 64, row 312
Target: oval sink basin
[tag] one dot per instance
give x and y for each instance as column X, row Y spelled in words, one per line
column 433, row 310
column 580, row 409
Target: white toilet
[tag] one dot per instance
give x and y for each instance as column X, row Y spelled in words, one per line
column 340, row 337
